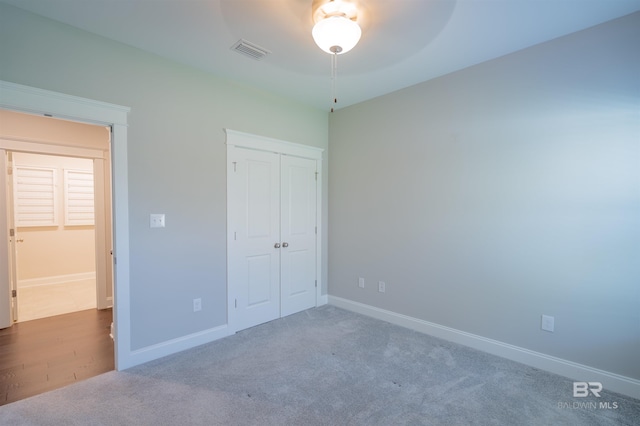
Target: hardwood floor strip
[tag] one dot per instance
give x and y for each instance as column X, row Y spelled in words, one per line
column 41, row 355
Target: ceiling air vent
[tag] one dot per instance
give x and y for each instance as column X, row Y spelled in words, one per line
column 249, row 49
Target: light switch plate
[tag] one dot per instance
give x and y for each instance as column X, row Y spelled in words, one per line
column 547, row 323
column 156, row 220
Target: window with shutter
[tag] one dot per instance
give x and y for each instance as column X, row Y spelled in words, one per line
column 35, row 196
column 78, row 197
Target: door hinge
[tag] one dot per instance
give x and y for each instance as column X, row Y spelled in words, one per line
column 12, row 232
column 235, row 163
column 316, row 230
column 236, row 300
column 9, row 170
column 316, row 283
column 316, row 175
column 14, row 293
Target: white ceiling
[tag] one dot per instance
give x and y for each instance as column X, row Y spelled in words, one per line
column 404, row 42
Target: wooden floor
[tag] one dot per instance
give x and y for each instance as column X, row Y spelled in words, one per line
column 45, row 354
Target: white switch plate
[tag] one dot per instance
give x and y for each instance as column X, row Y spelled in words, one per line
column 197, row 305
column 360, row 282
column 382, row 287
column 547, row 323
column 156, row 220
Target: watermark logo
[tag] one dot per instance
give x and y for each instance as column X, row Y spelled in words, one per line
column 582, row 389
column 586, row 389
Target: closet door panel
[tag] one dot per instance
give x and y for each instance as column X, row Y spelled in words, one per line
column 254, row 267
column 298, row 234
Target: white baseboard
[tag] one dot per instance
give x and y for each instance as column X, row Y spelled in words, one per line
column 170, row 347
column 108, row 303
column 610, row 381
column 57, row 279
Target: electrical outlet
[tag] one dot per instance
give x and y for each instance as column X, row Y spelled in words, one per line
column 360, row 282
column 382, row 286
column 547, row 323
column 156, row 220
column 197, row 305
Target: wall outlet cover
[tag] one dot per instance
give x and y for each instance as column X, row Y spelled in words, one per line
column 156, row 220
column 547, row 323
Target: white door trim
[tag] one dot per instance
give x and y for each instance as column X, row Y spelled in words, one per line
column 6, row 318
column 102, row 240
column 246, row 140
column 48, row 148
column 37, row 101
column 262, row 143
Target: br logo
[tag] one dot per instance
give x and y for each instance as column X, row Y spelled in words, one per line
column 582, row 389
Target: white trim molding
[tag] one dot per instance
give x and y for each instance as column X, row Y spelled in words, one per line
column 56, row 279
column 610, row 381
column 48, row 148
column 38, row 101
column 263, row 143
column 169, row 347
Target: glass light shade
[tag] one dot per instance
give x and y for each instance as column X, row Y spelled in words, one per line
column 336, row 31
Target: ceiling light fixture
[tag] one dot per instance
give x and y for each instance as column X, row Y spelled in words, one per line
column 335, row 31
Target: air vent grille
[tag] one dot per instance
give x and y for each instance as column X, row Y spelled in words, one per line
column 250, row 49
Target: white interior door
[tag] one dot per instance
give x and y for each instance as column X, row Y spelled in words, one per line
column 298, row 234
column 6, row 245
column 13, row 239
column 104, row 264
column 273, row 212
column 254, row 240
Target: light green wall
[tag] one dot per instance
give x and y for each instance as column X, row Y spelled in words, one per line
column 176, row 158
column 504, row 191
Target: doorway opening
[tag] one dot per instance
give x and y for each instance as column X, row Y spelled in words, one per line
column 57, row 188
column 46, row 103
column 53, row 203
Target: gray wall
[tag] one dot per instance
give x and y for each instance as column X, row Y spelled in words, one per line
column 176, row 158
column 493, row 195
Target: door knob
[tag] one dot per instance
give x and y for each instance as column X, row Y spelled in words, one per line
column 285, row 244
column 277, row 245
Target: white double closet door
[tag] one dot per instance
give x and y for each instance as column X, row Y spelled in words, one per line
column 272, row 240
